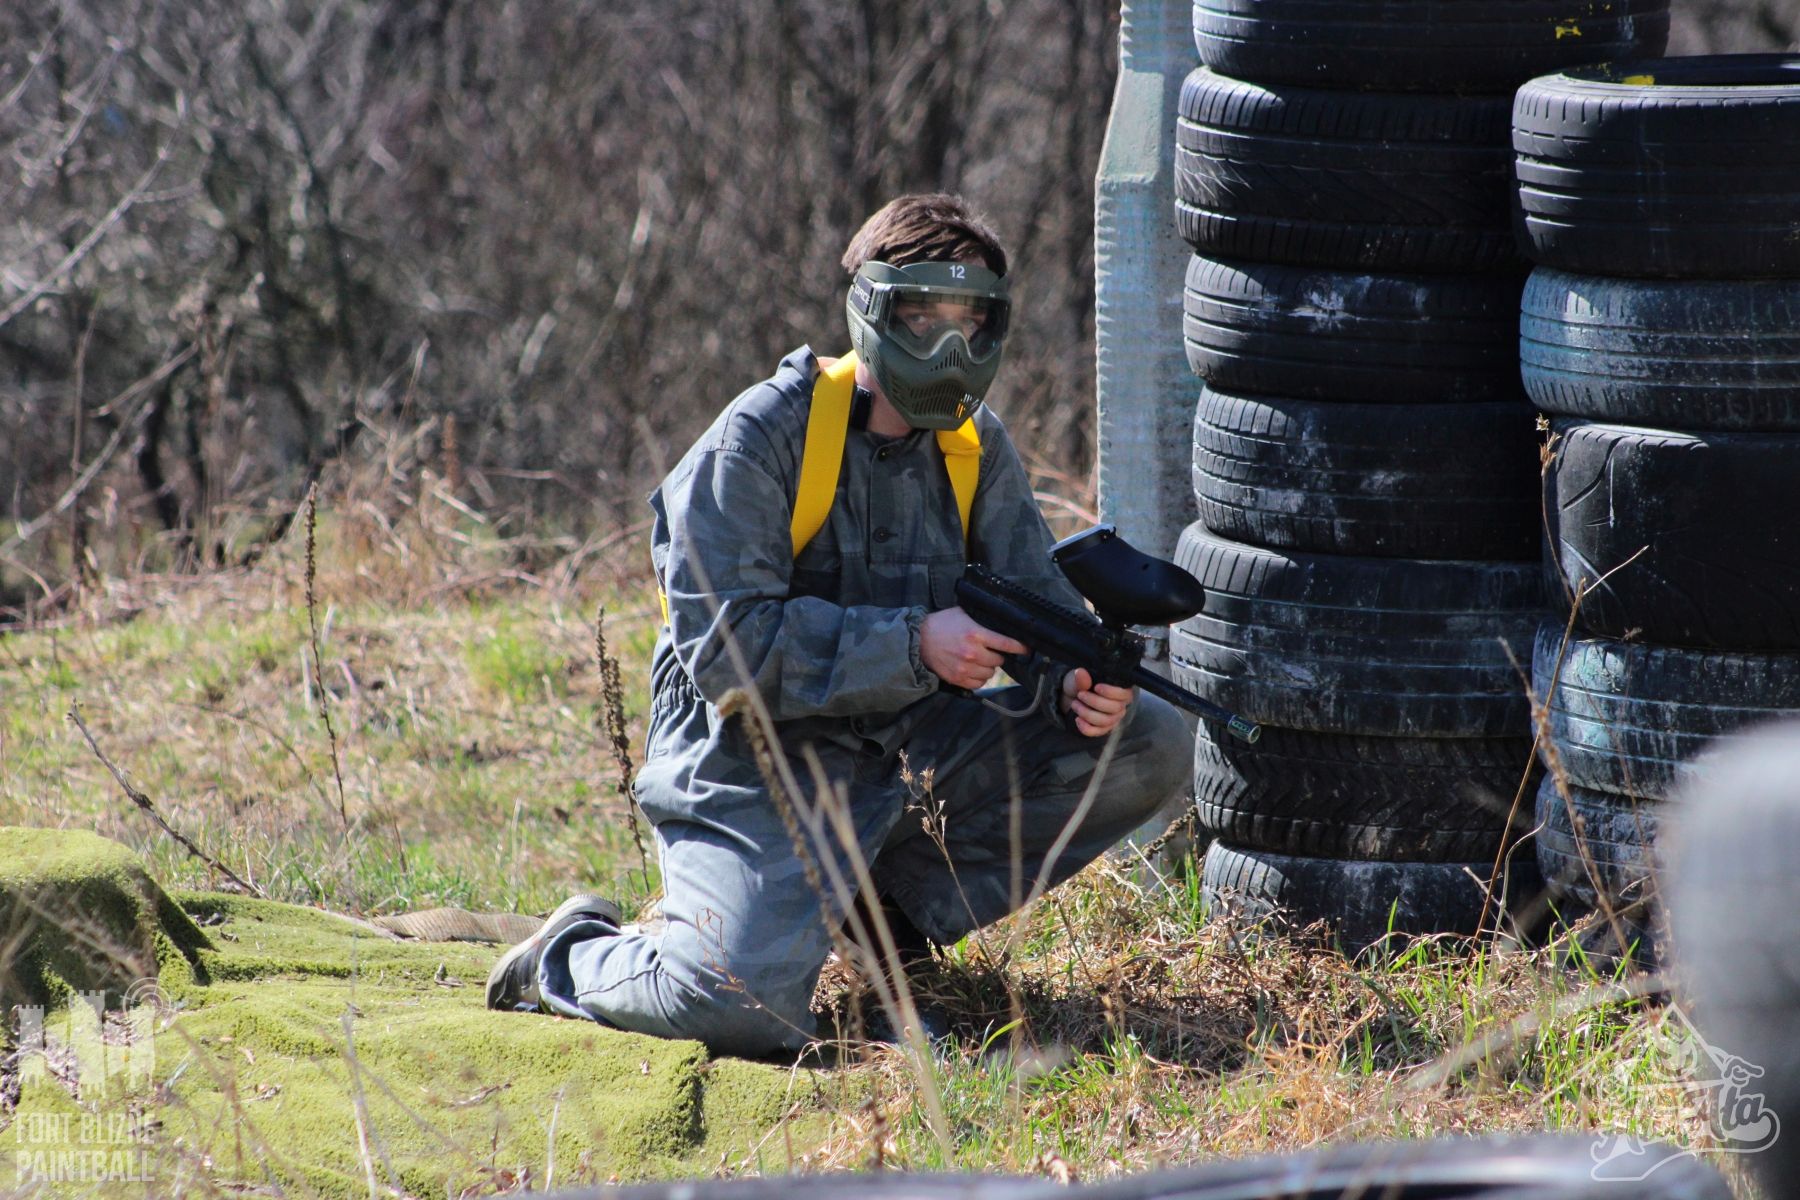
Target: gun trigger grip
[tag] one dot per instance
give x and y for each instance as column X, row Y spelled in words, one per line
column 1020, row 666
column 1037, row 699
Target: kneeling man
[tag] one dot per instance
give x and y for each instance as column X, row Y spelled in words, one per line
column 808, row 546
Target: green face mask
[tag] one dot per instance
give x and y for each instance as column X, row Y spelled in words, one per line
column 932, row 335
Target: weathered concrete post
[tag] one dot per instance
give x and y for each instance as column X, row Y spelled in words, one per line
column 1146, row 393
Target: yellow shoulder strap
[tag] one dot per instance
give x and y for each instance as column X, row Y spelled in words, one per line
column 823, row 455
column 962, row 460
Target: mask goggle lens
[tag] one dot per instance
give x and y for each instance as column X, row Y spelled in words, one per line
column 920, row 318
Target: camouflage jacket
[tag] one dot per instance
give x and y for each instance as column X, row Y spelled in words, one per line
column 830, row 639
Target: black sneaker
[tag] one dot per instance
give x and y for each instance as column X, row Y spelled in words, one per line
column 911, row 945
column 934, row 1023
column 512, row 984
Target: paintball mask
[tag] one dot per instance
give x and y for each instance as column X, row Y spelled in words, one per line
column 932, row 334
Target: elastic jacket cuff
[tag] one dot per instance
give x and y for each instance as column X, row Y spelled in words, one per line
column 923, row 675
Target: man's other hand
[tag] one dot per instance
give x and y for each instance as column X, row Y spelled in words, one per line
column 1097, row 707
column 961, row 652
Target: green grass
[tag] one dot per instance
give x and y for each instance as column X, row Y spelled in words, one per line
column 516, row 664
column 473, row 769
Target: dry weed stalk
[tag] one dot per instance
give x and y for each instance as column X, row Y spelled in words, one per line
column 828, row 819
column 879, row 1135
column 453, row 470
column 1543, row 744
column 365, row 1131
column 78, row 533
column 830, row 808
column 612, row 697
column 149, row 806
column 935, row 822
column 312, row 624
column 1186, row 826
column 1540, row 709
column 1067, row 834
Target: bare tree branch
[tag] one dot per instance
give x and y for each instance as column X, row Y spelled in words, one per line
column 149, row 807
column 101, row 228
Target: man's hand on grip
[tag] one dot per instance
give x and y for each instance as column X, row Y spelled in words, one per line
column 961, row 652
column 1097, row 707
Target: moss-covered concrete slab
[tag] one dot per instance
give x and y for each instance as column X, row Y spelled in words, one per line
column 287, row 1049
column 78, row 913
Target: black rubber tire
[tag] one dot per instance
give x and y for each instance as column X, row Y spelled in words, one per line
column 1493, row 1167
column 1688, row 354
column 1419, row 481
column 1634, row 719
column 1513, row 1167
column 1336, row 795
column 1615, row 855
column 1359, row 901
column 1319, row 334
column 1335, row 644
column 1732, row 895
column 848, row 1185
column 1421, row 45
column 1680, row 168
column 1387, row 181
column 1687, row 538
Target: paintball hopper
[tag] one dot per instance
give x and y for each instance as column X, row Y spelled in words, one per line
column 1125, row 585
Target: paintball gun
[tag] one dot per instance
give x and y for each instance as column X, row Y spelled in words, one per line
column 1126, row 587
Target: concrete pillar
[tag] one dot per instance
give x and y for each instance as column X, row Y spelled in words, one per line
column 1146, row 393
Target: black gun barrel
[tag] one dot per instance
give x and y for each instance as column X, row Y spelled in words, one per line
column 1242, row 728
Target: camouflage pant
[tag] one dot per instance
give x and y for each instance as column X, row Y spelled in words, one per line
column 746, row 932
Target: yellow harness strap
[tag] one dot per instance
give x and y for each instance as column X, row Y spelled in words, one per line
column 827, row 424
column 822, row 457
column 962, row 462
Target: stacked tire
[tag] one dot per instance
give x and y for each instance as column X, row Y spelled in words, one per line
column 1364, row 460
column 1661, row 333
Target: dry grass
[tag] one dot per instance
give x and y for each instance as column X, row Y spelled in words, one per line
column 468, row 714
column 1128, row 1034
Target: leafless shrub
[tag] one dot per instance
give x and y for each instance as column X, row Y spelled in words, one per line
column 247, row 241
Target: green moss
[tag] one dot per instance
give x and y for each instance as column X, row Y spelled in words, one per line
column 292, row 1027
column 82, row 915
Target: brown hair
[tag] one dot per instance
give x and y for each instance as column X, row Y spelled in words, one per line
column 925, row 227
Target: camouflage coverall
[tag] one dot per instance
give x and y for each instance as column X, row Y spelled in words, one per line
column 831, row 641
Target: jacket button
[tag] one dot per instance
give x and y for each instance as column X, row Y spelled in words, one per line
column 882, row 535
column 882, row 454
